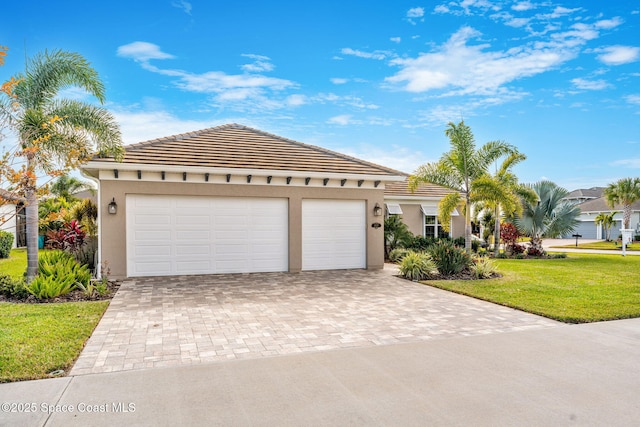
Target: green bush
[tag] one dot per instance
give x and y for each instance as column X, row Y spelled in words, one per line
column 417, row 266
column 483, row 268
column 449, row 259
column 398, row 254
column 420, row 243
column 58, row 274
column 11, row 288
column 459, row 241
column 6, row 243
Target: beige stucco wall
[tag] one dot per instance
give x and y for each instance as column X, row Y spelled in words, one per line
column 113, row 227
column 413, row 217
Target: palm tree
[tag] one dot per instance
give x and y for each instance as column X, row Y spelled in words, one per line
column 68, row 186
column 549, row 216
column 460, row 170
column 396, row 234
column 607, row 221
column 625, row 191
column 55, row 134
column 503, row 193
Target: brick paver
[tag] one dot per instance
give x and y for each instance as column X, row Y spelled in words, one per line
column 169, row 321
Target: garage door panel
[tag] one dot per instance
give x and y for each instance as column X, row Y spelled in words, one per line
column 168, row 235
column 333, row 234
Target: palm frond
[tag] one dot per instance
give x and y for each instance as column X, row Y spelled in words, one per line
column 446, row 207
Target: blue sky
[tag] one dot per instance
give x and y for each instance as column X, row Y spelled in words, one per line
column 377, row 80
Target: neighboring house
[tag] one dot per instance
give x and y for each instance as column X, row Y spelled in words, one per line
column 590, row 209
column 584, row 194
column 11, row 214
column 233, row 199
column 419, row 209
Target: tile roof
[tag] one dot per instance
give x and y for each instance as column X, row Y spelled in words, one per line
column 585, row 193
column 237, row 146
column 600, row 205
column 400, row 188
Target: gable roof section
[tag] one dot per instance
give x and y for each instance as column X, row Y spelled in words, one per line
column 600, row 205
column 401, row 189
column 585, row 193
column 241, row 147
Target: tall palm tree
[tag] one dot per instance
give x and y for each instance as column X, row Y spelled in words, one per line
column 625, row 191
column 607, row 221
column 460, row 170
column 68, row 186
column 56, row 134
column 503, row 193
column 549, row 216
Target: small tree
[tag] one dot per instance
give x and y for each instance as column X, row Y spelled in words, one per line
column 626, row 192
column 607, row 221
column 396, row 234
column 509, row 234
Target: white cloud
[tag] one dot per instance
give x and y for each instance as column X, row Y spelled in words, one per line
column 296, row 100
column 607, row 24
column 379, row 55
column 396, row 157
column 342, row 120
column 590, row 84
column 261, row 63
column 523, row 6
column 396, row 39
column 142, row 51
column 633, row 99
column 474, row 69
column 618, row 55
column 628, row 163
column 339, row 81
column 441, row 8
column 415, row 12
column 184, row 5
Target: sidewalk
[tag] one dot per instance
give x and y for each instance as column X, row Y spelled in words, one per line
column 568, row 375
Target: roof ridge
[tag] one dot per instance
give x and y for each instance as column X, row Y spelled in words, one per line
column 180, row 136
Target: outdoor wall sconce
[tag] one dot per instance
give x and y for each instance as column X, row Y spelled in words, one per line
column 113, row 207
column 377, row 210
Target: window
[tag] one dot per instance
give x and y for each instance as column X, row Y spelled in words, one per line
column 433, row 227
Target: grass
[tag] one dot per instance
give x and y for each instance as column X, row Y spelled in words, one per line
column 37, row 339
column 603, row 245
column 578, row 289
column 15, row 265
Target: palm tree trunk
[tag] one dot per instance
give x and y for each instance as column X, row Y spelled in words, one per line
column 496, row 233
column 31, row 211
column 467, row 225
column 627, row 216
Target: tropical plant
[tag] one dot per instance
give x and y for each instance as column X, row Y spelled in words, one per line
column 58, row 274
column 417, row 266
column 449, row 259
column 460, row 170
column 55, row 135
column 11, row 288
column 6, row 243
column 625, row 192
column 86, row 213
column 67, row 187
column 396, row 233
column 606, row 220
column 509, row 234
column 550, row 216
column 397, row 254
column 483, row 268
column 502, row 193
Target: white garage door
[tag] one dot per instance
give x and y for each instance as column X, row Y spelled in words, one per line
column 333, row 234
column 173, row 235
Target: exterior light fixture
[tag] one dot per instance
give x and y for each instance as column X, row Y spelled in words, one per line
column 377, row 210
column 112, row 208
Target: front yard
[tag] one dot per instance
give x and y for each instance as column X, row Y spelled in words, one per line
column 603, row 245
column 580, row 288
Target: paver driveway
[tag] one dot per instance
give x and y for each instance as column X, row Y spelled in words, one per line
column 167, row 321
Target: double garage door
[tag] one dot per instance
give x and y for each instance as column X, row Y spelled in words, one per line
column 175, row 235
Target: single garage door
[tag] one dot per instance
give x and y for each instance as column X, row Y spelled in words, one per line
column 333, row 234
column 174, row 235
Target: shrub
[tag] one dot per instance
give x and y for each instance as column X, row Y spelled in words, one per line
column 58, row 274
column 12, row 288
column 459, row 241
column 397, row 254
column 510, row 235
column 420, row 243
column 533, row 251
column 417, row 266
column 517, row 248
column 483, row 268
column 6, row 242
column 475, row 245
column 448, row 258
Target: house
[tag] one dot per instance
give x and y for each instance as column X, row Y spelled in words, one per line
column 419, row 209
column 584, row 194
column 590, row 209
column 11, row 214
column 232, row 199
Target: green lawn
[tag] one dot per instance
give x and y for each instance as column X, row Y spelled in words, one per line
column 37, row 339
column 608, row 246
column 577, row 289
column 15, row 265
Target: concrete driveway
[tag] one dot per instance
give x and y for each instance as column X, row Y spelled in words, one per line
column 173, row 321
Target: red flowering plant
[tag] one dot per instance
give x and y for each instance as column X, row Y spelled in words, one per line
column 509, row 235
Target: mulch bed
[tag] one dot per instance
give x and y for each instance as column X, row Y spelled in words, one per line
column 73, row 296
